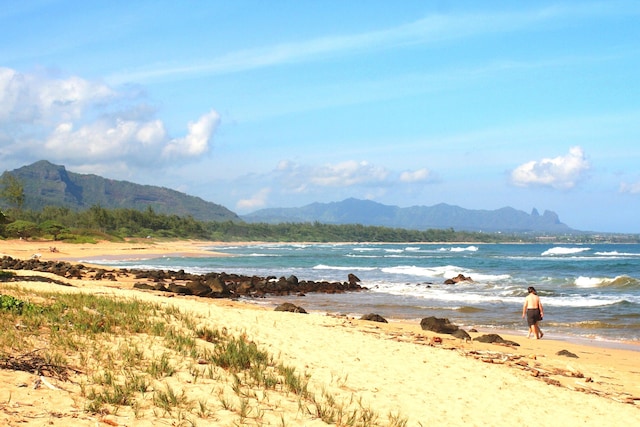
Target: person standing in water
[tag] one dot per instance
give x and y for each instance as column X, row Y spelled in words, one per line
column 532, row 309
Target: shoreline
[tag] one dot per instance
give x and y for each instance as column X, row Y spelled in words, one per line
column 393, row 368
column 144, row 249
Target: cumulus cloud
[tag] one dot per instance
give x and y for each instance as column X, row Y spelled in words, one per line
column 197, row 140
column 347, row 174
column 80, row 122
column 562, row 172
column 415, row 176
column 258, row 200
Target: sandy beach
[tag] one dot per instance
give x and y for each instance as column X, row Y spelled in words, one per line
column 396, row 370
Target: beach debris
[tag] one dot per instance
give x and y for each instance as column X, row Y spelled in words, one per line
column 292, row 308
column 566, row 353
column 374, row 318
column 435, row 340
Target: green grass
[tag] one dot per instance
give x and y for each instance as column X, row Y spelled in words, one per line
column 126, row 354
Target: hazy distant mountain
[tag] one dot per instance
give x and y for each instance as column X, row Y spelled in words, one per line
column 366, row 212
column 47, row 184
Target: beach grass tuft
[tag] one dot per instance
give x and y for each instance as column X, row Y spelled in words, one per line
column 152, row 360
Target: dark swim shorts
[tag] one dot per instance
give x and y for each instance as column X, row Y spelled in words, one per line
column 533, row 316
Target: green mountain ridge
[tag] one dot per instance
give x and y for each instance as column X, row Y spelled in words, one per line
column 46, row 184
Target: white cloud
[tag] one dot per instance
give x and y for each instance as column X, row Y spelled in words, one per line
column 632, row 188
column 561, row 172
column 106, row 140
column 79, row 123
column 258, row 200
column 347, row 174
column 31, row 98
column 197, row 140
column 415, row 176
column 431, row 29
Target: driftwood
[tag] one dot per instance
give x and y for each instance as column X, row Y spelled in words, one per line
column 36, row 364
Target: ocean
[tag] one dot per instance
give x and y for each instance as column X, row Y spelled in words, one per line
column 589, row 292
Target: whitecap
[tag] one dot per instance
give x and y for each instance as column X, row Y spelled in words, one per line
column 590, row 282
column 564, row 251
column 336, row 267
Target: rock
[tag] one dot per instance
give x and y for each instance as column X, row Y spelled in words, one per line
column 495, row 339
column 459, row 278
column 292, row 308
column 217, row 287
column 353, row 279
column 567, row 353
column 198, row 288
column 438, row 325
column 374, row 318
column 461, row 334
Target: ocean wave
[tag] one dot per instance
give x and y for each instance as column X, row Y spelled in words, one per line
column 617, row 254
column 560, row 250
column 597, row 282
column 412, row 270
column 460, row 249
column 336, row 267
column 598, row 324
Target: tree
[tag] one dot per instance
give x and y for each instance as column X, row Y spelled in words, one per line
column 12, row 190
column 22, row 229
column 54, row 228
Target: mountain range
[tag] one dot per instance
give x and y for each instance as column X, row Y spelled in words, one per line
column 366, row 212
column 47, row 184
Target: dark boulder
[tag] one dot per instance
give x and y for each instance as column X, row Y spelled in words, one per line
column 292, row 308
column 178, row 289
column 459, row 278
column 198, row 288
column 374, row 318
column 353, row 279
column 438, row 325
column 462, row 334
column 217, row 287
column 495, row 339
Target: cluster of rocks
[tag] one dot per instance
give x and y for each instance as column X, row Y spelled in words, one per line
column 212, row 285
column 444, row 326
column 459, row 278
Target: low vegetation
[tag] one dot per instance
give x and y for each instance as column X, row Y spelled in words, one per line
column 97, row 223
column 153, row 361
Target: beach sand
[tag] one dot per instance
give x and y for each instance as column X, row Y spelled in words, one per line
column 395, row 370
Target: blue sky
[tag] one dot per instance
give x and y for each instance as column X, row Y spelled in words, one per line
column 255, row 104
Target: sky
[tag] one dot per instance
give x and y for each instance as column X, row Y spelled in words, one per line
column 261, row 104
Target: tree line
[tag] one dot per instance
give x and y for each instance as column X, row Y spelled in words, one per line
column 61, row 223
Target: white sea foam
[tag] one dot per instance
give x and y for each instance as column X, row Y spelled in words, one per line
column 617, row 254
column 591, row 282
column 412, row 270
column 336, row 267
column 564, row 251
column 460, row 249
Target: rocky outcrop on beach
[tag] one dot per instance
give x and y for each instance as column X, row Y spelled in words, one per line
column 209, row 285
column 459, row 278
